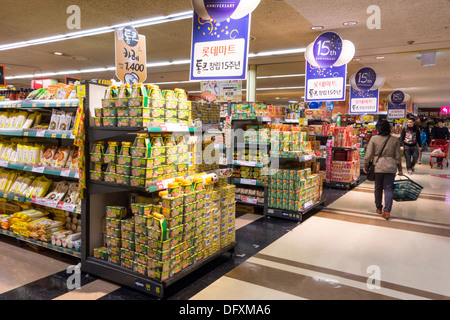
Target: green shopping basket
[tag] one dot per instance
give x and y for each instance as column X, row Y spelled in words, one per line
column 406, row 190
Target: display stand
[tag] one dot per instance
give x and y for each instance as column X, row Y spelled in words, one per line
column 60, row 138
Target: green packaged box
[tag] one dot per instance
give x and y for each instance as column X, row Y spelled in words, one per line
column 139, row 152
column 126, row 254
column 140, row 230
column 138, row 162
column 113, row 223
column 101, row 253
column 140, row 268
column 140, row 220
column 159, row 245
column 172, row 202
column 141, row 248
column 116, row 212
column 127, row 235
column 141, row 238
column 114, row 259
column 122, row 179
column 175, row 231
column 137, row 182
column 113, row 232
column 96, row 176
column 123, row 160
column 127, row 244
column 127, row 225
column 123, row 169
column 112, row 241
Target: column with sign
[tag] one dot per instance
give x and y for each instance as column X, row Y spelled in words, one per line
column 131, row 56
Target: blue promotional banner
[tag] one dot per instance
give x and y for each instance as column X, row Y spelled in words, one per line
column 220, row 49
column 362, row 101
column 396, row 111
column 325, row 84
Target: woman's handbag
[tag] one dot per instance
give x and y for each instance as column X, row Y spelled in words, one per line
column 371, row 167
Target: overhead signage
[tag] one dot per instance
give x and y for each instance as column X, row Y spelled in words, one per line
column 224, row 90
column 396, row 111
column 131, row 56
column 325, row 84
column 362, row 102
column 445, row 110
column 220, row 49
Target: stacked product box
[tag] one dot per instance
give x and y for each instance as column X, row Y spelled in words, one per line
column 166, row 234
column 206, row 113
column 345, row 171
column 140, row 105
column 220, row 213
column 345, row 137
column 249, row 110
column 149, row 158
column 294, row 190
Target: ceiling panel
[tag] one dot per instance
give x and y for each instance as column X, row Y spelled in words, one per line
column 276, row 25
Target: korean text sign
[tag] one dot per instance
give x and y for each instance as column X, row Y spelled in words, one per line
column 220, row 49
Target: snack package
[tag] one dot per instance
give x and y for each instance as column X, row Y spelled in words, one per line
column 65, row 121
column 59, row 191
column 73, row 194
column 49, row 154
column 55, row 119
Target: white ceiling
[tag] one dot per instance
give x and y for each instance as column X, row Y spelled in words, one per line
column 276, row 25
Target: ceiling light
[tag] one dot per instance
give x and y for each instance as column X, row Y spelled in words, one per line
column 317, row 28
column 281, row 76
column 350, row 23
column 276, row 53
column 380, row 58
column 293, row 101
column 357, row 59
column 58, row 53
column 97, row 31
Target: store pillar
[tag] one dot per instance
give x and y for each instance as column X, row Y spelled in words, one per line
column 251, row 83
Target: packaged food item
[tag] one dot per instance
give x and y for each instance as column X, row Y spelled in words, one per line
column 59, row 191
column 49, row 154
column 60, row 158
column 55, row 120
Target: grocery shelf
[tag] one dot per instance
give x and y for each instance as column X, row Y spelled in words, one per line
column 68, row 173
column 37, row 133
column 101, row 133
column 248, row 164
column 41, row 201
column 43, row 244
column 127, row 277
column 249, row 182
column 29, row 104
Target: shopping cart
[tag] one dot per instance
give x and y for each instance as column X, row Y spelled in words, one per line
column 406, row 190
column 436, row 157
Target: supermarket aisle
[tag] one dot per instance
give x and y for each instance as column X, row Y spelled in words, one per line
column 347, row 251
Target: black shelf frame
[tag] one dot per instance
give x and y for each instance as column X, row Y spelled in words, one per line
column 293, row 215
column 129, row 278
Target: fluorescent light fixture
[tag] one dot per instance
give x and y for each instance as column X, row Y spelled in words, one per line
column 58, row 53
column 317, row 28
column 277, row 53
column 97, row 31
column 380, row 58
column 350, row 23
column 279, row 88
column 281, row 76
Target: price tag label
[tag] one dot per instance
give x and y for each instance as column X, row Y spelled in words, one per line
column 160, row 185
column 67, row 206
column 308, row 204
column 40, row 133
column 4, row 163
column 250, row 182
column 65, row 172
column 38, row 169
column 249, row 200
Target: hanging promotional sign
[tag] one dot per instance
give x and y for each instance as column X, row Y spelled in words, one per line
column 131, row 56
column 398, row 97
column 365, row 91
column 325, row 84
column 362, row 102
column 396, row 111
column 220, row 39
column 326, row 68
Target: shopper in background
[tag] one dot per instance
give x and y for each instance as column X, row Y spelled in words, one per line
column 390, row 161
column 440, row 133
column 427, row 130
column 411, row 144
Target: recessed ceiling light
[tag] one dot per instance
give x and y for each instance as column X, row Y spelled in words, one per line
column 380, row 58
column 317, row 28
column 58, row 53
column 357, row 59
column 350, row 23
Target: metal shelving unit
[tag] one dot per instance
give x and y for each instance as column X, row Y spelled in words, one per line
column 100, row 194
column 41, row 105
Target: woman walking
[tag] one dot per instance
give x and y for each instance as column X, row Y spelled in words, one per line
column 389, row 162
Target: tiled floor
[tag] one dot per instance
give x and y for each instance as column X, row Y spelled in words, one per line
column 345, row 251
